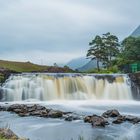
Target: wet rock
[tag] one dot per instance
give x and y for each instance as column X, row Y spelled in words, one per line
column 111, row 113
column 35, row 107
column 2, row 108
column 24, row 114
column 72, row 118
column 14, row 107
column 36, row 113
column 87, row 119
column 129, row 118
column 96, row 121
column 34, row 110
column 120, row 119
column 21, row 110
column 69, row 118
column 132, row 119
column 55, row 114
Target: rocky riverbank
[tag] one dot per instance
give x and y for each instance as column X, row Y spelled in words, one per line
column 107, row 118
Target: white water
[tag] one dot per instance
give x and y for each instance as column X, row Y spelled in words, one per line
column 46, row 87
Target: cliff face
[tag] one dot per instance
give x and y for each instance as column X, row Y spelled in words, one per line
column 135, row 84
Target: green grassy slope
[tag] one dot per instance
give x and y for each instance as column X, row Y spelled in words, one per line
column 30, row 67
column 21, row 66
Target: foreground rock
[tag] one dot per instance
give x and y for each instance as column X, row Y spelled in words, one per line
column 116, row 118
column 7, row 134
column 34, row 110
column 96, row 121
column 120, row 119
column 40, row 111
column 132, row 119
column 111, row 113
column 72, row 117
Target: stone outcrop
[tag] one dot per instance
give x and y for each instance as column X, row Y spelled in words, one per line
column 40, row 111
column 132, row 119
column 111, row 113
column 96, row 121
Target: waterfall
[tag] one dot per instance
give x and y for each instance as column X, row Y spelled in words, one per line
column 46, row 87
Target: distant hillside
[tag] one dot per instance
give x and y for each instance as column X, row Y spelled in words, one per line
column 30, row 67
column 136, row 33
column 77, row 63
column 82, row 64
column 89, row 66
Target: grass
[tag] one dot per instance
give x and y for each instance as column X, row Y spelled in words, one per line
column 7, row 67
column 21, row 66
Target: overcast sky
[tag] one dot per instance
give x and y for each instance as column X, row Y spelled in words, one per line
column 48, row 31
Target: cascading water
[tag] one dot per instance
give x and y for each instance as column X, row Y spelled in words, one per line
column 66, row 87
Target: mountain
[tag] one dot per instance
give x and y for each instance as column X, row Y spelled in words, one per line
column 78, row 62
column 89, row 66
column 82, row 64
column 136, row 33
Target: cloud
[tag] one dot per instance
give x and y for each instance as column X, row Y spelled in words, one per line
column 62, row 26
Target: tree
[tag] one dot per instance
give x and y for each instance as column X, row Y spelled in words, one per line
column 111, row 50
column 131, row 49
column 96, row 50
column 104, row 49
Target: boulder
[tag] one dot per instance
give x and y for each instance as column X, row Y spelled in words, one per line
column 14, row 107
column 132, row 119
column 96, row 121
column 111, row 113
column 2, row 108
column 120, row 119
column 72, row 117
column 55, row 114
column 87, row 119
column 24, row 114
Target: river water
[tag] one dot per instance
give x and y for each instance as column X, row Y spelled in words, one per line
column 83, row 94
column 37, row 128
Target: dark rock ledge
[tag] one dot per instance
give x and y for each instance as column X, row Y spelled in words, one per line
column 108, row 117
